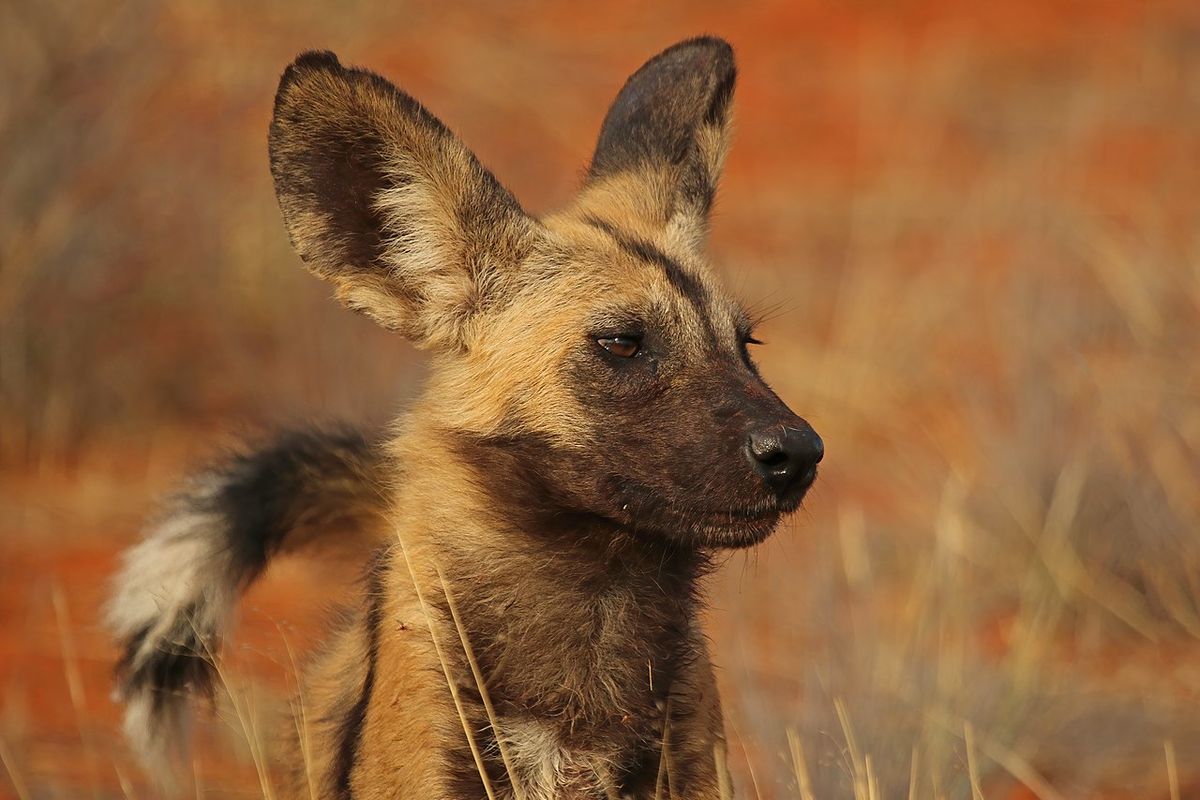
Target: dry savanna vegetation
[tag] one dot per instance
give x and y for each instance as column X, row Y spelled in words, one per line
column 973, row 231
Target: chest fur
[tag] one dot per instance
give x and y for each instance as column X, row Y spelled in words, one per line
column 598, row 662
column 549, row 766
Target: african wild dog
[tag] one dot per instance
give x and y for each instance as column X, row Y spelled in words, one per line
column 592, row 432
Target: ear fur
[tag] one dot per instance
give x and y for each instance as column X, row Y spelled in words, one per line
column 383, row 201
column 666, row 135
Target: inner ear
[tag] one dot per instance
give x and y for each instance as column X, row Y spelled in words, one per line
column 347, row 178
column 329, row 168
column 383, row 201
column 669, row 124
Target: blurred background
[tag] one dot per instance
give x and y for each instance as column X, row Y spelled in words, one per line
column 975, row 228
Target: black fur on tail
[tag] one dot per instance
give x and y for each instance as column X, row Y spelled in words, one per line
column 178, row 587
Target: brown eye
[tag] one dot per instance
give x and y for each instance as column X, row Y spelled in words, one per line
column 622, row 346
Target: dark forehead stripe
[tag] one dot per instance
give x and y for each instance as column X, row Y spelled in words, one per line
column 685, row 283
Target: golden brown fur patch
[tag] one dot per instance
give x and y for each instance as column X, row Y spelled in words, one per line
column 529, row 629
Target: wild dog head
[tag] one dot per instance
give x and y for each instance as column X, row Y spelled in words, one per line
column 592, row 351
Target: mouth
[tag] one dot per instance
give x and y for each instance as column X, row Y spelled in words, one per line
column 732, row 527
column 734, row 530
column 738, row 528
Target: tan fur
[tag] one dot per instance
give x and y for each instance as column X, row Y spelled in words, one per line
column 503, row 308
column 551, row 503
column 411, row 718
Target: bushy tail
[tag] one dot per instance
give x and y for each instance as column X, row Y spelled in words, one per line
column 177, row 588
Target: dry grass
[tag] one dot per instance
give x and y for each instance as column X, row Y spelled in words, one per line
column 981, row 227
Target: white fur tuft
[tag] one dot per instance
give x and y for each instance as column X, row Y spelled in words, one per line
column 180, row 576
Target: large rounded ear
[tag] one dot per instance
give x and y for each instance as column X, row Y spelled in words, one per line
column 383, row 201
column 664, row 139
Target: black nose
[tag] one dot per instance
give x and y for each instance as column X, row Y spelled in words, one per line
column 785, row 456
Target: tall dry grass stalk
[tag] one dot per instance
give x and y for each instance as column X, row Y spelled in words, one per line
column 481, row 685
column 451, row 683
column 66, row 643
column 13, row 770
